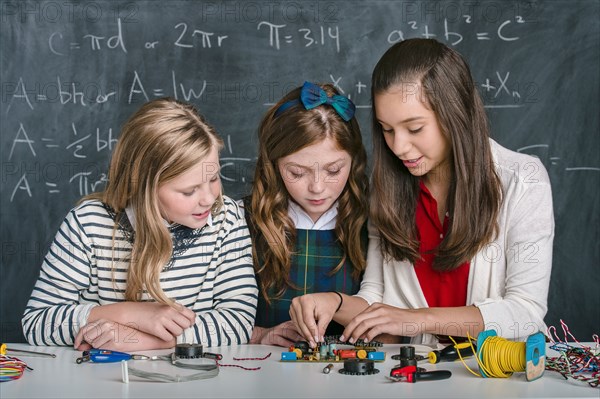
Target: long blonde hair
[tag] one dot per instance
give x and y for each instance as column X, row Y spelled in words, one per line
column 162, row 140
column 274, row 232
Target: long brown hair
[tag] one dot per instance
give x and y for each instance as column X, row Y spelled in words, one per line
column 474, row 195
column 274, row 231
column 162, row 140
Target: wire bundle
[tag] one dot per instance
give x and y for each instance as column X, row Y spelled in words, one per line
column 574, row 359
column 11, row 368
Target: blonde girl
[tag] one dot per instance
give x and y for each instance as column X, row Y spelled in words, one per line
column 157, row 258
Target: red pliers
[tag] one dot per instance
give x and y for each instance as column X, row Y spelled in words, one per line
column 414, row 374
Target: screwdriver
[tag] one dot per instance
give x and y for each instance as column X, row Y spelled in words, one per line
column 4, row 349
column 451, row 352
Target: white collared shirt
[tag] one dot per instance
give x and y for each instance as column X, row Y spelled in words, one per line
column 303, row 221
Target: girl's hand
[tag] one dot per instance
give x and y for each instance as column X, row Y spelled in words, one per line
column 162, row 321
column 284, row 334
column 380, row 319
column 105, row 334
column 312, row 313
column 108, row 334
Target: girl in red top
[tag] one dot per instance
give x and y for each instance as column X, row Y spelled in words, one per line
column 461, row 236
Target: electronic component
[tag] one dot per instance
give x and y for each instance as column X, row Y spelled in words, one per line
column 407, row 356
column 193, row 351
column 359, row 367
column 331, row 351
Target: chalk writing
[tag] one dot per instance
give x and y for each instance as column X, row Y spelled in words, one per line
column 22, row 184
column 206, row 37
column 87, row 185
column 66, row 92
column 499, row 89
column 498, row 92
column 187, row 38
column 309, row 37
column 137, row 88
column 451, row 36
column 553, row 160
column 21, row 137
column 96, row 42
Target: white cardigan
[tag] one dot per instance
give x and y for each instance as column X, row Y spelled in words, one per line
column 509, row 278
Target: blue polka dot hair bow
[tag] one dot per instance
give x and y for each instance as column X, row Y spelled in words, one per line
column 311, row 96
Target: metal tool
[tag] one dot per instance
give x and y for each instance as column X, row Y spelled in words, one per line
column 412, row 374
column 107, row 356
column 184, row 356
column 4, row 350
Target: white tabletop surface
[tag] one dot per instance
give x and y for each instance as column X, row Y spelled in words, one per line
column 61, row 377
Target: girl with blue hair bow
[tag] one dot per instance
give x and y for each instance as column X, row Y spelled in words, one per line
column 308, row 209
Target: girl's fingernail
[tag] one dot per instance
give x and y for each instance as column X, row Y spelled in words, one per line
column 342, row 338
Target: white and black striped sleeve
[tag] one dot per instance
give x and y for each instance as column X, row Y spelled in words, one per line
column 235, row 293
column 54, row 314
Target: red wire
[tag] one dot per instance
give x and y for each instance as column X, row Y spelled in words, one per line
column 252, row 358
column 245, row 358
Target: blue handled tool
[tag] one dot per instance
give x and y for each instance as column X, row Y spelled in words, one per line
column 107, row 356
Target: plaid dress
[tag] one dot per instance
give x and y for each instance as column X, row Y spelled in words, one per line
column 317, row 253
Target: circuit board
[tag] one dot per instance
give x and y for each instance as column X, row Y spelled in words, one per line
column 332, row 350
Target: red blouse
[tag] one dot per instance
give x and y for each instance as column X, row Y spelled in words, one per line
column 441, row 289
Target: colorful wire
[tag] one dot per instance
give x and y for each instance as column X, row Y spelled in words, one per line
column 574, row 359
column 11, row 368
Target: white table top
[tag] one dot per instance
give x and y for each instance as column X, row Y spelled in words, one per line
column 61, row 377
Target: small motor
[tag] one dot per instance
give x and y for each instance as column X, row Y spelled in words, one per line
column 188, row 351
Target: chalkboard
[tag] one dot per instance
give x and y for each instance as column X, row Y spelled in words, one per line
column 73, row 72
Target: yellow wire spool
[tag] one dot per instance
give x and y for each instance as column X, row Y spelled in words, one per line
column 499, row 358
